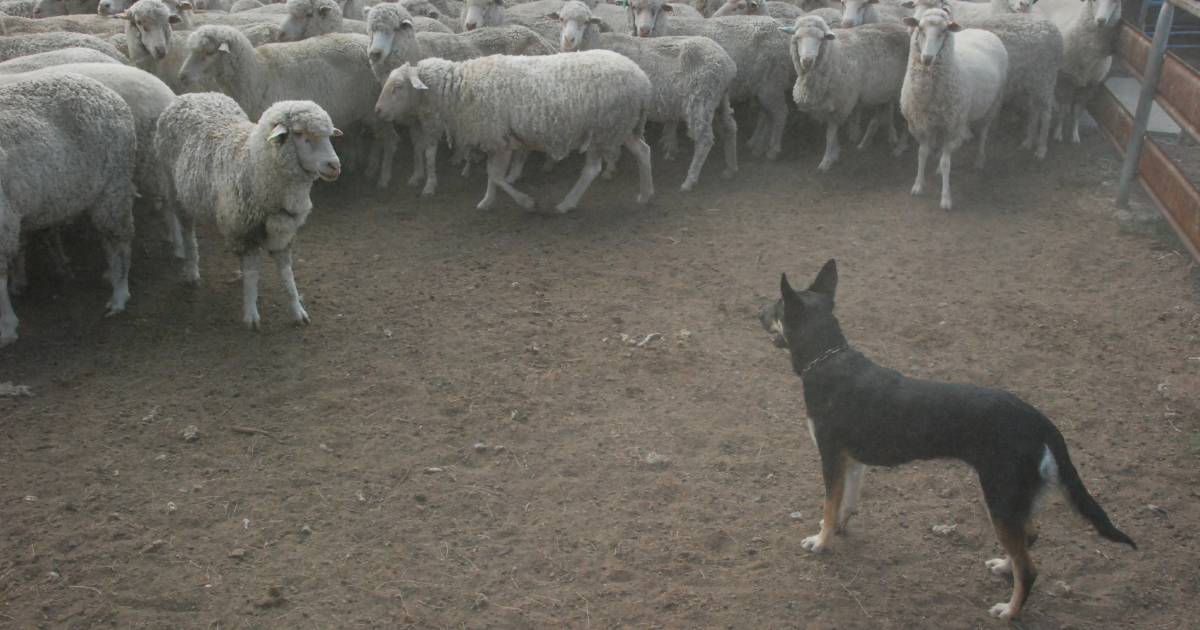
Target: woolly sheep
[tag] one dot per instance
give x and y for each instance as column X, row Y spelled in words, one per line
column 777, row 10
column 14, row 46
column 1035, row 54
column 17, row 8
column 756, row 45
column 245, row 5
column 955, row 78
column 690, row 79
column 38, row 61
column 52, row 8
column 1088, row 49
column 90, row 24
column 425, row 8
column 962, row 11
column 67, row 146
column 502, row 103
column 859, row 12
column 253, row 179
column 837, row 72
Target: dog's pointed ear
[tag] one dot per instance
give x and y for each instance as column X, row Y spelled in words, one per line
column 826, row 282
column 785, row 289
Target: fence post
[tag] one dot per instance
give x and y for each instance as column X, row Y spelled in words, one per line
column 1153, row 70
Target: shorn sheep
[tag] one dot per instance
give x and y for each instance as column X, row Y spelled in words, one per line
column 594, row 102
column 1088, row 42
column 955, row 79
column 691, row 79
column 839, row 71
column 67, row 147
column 253, row 179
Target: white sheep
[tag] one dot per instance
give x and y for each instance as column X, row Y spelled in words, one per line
column 965, row 12
column 690, row 78
column 353, row 9
column 425, row 8
column 242, row 6
column 777, row 10
column 67, row 147
column 38, row 61
column 14, row 46
column 859, row 12
column 955, row 79
column 1088, row 49
column 91, row 24
column 53, row 8
column 17, row 8
column 253, row 179
column 594, row 102
column 839, row 71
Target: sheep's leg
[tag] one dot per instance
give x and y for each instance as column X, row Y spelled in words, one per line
column 831, row 147
column 902, row 145
column 854, row 127
column 250, row 266
column 983, row 137
column 922, row 157
column 778, row 111
column 944, row 167
column 727, row 130
column 58, row 253
column 174, row 232
column 1031, row 126
column 669, row 142
column 640, row 150
column 548, row 164
column 497, row 166
column 283, row 262
column 431, row 181
column 1076, row 112
column 517, row 166
column 386, row 140
column 1043, row 130
column 19, row 278
column 8, row 317
column 592, row 166
column 119, row 258
column 889, row 113
column 869, row 134
column 610, row 168
column 701, row 131
column 191, row 251
column 758, row 138
column 417, row 137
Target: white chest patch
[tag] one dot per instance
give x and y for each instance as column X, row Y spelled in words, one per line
column 812, row 433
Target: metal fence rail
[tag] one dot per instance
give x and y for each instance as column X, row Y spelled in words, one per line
column 1176, row 87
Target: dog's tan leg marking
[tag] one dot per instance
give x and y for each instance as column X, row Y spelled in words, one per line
column 854, row 476
column 835, row 489
column 1015, row 542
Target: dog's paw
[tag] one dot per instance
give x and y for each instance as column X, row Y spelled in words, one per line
column 1001, row 611
column 814, row 544
column 999, row 566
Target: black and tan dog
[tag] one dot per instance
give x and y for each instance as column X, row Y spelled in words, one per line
column 862, row 414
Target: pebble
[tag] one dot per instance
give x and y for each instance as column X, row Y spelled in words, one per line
column 480, row 447
column 191, row 433
column 795, row 516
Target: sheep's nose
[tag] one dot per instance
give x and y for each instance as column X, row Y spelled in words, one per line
column 375, row 55
column 470, row 26
column 331, row 170
column 1101, row 21
column 643, row 31
column 926, row 59
column 806, row 62
column 160, row 52
column 568, row 42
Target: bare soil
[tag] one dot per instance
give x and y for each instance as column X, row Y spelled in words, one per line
column 334, row 481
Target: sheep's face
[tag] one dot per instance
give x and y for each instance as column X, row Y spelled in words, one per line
column 314, row 150
column 742, row 7
column 931, row 33
column 308, row 19
column 1106, row 12
column 204, row 62
column 50, row 8
column 808, row 37
column 574, row 19
column 153, row 29
column 111, row 7
column 383, row 40
column 483, row 13
column 401, row 94
column 648, row 16
column 854, row 12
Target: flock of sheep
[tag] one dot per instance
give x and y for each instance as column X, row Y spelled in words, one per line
column 228, row 110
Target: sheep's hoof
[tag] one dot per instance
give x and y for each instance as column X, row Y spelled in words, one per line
column 116, row 306
column 251, row 324
column 7, row 338
column 946, row 204
column 728, row 173
column 1075, row 138
column 526, row 202
column 644, row 199
column 688, row 186
column 917, row 189
column 825, row 165
column 486, row 204
column 415, row 180
column 300, row 316
column 1040, row 154
column 607, row 175
column 563, row 208
column 428, row 191
column 383, row 182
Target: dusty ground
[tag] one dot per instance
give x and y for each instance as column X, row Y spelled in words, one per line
column 436, row 327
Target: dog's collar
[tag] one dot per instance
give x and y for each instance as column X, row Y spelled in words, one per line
column 824, row 355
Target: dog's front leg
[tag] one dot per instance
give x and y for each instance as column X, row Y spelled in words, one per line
column 852, row 491
column 833, row 470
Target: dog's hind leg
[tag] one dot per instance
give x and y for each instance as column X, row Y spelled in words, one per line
column 1010, row 492
column 854, row 474
column 1014, row 538
column 833, row 470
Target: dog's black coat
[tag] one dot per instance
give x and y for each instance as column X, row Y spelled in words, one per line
column 877, row 416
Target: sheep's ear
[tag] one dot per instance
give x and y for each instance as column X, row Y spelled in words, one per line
column 224, row 47
column 954, row 27
column 595, row 20
column 324, row 11
column 667, row 8
column 124, row 15
column 415, row 80
column 174, row 19
column 830, row 36
column 910, row 21
column 788, row 29
column 553, row 15
column 185, row 6
column 278, row 135
column 337, row 133
column 909, row 4
column 406, row 24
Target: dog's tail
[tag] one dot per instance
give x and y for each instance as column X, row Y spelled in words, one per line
column 1080, row 498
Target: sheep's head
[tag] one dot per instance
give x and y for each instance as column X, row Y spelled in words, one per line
column 181, row 12
column 150, row 21
column 931, row 33
column 1105, row 12
column 648, row 18
column 309, row 18
column 50, row 8
column 111, row 7
column 386, row 22
column 302, row 129
column 742, row 7
column 401, row 94
column 483, row 13
column 209, row 50
column 423, row 8
column 575, row 18
column 919, row 7
column 809, row 34
column 854, row 12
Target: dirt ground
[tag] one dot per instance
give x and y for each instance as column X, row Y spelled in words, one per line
column 336, row 482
